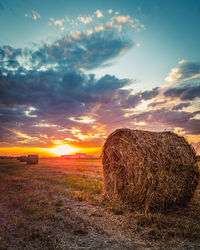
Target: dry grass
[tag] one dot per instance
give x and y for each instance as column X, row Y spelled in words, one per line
column 33, row 207
column 149, row 170
column 57, row 205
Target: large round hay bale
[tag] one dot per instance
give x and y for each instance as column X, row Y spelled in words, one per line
column 149, row 170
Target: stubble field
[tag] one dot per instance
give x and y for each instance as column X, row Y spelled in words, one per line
column 58, row 204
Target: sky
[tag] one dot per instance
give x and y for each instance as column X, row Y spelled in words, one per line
column 71, row 72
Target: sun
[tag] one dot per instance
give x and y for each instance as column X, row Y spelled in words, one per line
column 62, row 150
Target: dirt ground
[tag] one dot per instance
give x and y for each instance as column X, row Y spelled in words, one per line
column 57, row 204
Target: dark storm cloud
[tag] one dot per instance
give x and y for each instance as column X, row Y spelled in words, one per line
column 181, row 105
column 184, row 93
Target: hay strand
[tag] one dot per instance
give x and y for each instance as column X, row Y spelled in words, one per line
column 148, row 170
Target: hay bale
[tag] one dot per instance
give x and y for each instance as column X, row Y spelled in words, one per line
column 148, row 170
column 22, row 158
column 32, row 159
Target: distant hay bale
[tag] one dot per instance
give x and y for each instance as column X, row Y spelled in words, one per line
column 22, row 158
column 149, row 170
column 32, row 159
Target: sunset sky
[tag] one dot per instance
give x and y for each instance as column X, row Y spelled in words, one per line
column 71, row 72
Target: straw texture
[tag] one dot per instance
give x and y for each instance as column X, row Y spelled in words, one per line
column 148, row 170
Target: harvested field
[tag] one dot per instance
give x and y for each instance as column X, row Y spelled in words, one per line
column 57, row 204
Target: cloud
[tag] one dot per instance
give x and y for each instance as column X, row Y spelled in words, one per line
column 169, row 120
column 85, row 20
column 99, row 13
column 123, row 19
column 33, row 15
column 58, row 23
column 76, row 52
column 99, row 28
column 181, row 105
column 184, row 93
column 42, row 89
column 186, row 71
column 134, row 100
column 182, row 61
column 149, row 94
column 89, row 32
column 38, row 102
column 157, row 104
column 51, row 105
column 46, row 95
column 119, row 22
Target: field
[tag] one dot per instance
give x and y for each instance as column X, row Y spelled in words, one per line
column 57, row 204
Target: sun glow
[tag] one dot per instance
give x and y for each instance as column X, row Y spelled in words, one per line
column 63, row 150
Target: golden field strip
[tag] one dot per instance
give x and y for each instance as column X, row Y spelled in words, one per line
column 58, row 204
